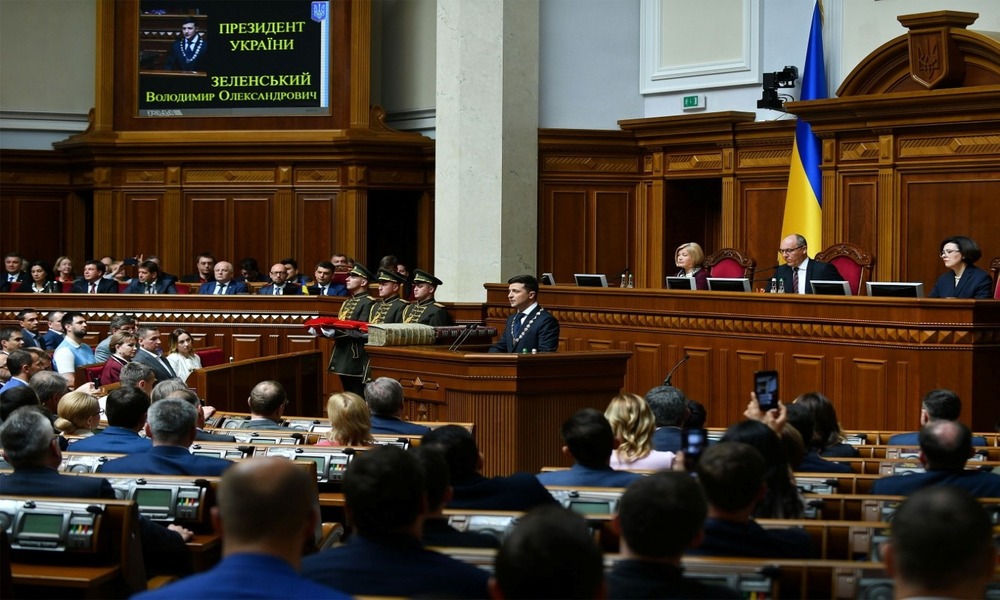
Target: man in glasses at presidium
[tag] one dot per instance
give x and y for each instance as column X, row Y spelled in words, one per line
column 799, row 269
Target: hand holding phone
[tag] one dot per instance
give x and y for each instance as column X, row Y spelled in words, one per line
column 693, row 443
column 766, row 387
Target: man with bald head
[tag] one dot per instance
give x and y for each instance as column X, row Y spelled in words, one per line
column 261, row 556
column 267, row 403
column 945, row 446
column 280, row 286
column 799, row 269
column 224, row 283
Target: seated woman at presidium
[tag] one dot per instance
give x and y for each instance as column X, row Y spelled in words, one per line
column 690, row 259
column 43, row 280
column 633, row 425
column 965, row 280
column 182, row 358
column 350, row 421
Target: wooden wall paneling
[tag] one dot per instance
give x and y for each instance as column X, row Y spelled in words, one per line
column 696, row 375
column 424, row 258
column 351, row 224
column 24, row 215
column 859, row 214
column 807, row 374
column 207, row 228
column 175, row 256
column 647, row 363
column 869, row 379
column 245, row 346
column 694, row 214
column 651, row 214
column 611, row 237
column 299, row 343
column 250, row 216
column 564, row 218
column 763, row 204
column 600, row 344
column 734, row 401
column 144, row 224
column 282, row 224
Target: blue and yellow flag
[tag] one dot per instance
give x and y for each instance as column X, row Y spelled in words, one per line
column 804, row 200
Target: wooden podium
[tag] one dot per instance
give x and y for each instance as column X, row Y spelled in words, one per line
column 518, row 402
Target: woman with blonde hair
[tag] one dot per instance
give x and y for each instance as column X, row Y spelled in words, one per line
column 79, row 413
column 181, row 354
column 350, row 421
column 689, row 258
column 64, row 270
column 634, row 424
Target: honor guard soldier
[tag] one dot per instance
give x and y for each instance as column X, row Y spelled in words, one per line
column 389, row 307
column 349, row 359
column 424, row 309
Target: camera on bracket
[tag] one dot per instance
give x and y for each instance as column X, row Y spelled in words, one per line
column 785, row 78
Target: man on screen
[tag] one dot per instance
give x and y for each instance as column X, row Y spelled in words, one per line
column 188, row 52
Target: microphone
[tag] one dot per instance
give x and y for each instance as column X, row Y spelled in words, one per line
column 767, row 270
column 671, row 373
column 462, row 337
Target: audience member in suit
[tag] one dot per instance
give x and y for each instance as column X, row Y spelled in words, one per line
column 16, row 397
column 41, row 280
column 781, row 499
column 73, row 353
column 940, row 546
column 324, row 284
column 124, row 346
column 250, row 271
column 28, row 446
column 385, row 399
column 732, row 476
column 945, row 446
column 590, row 441
column 267, row 403
column 937, row 405
column 386, row 504
column 138, row 375
column 827, row 434
column 150, row 353
column 11, row 339
column 149, row 281
column 424, row 309
column 550, row 553
column 669, row 406
column 176, row 388
column 261, row 557
column 126, row 410
column 795, row 250
column 224, row 283
column 172, row 425
column 389, row 306
column 659, row 517
column 93, row 281
column 279, row 286
column 801, row 418
column 349, row 359
column 690, row 258
column 54, row 336
column 22, row 365
column 965, row 279
column 520, row 491
column 292, row 272
column 13, row 271
column 119, row 322
column 436, row 530
column 204, row 270
column 531, row 327
column 27, row 318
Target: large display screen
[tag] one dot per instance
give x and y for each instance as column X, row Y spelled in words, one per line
column 233, row 58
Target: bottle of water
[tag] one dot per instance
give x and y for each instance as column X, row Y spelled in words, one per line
column 774, row 285
column 631, row 281
column 624, row 279
column 781, row 286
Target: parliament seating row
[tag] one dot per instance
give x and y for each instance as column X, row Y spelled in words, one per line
column 880, row 438
column 233, row 420
column 882, row 466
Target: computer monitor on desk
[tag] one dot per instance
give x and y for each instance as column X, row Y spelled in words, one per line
column 831, row 288
column 548, row 279
column 896, row 289
column 729, row 284
column 680, row 283
column 591, row 279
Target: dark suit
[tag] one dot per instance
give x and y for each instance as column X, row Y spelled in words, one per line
column 265, row 424
column 104, row 286
column 33, row 340
column 161, row 368
column 978, row 483
column 334, row 289
column 394, row 565
column 50, row 287
column 814, row 463
column 194, row 278
column 520, row 491
column 291, row 289
column 182, row 59
column 588, row 477
column 814, row 270
column 913, row 439
column 52, row 339
column 975, row 283
column 539, row 331
column 167, row 460
column 396, row 425
column 437, row 532
column 726, row 538
column 112, row 440
column 21, row 278
column 161, row 285
column 204, row 436
column 667, row 439
column 633, row 578
column 233, row 287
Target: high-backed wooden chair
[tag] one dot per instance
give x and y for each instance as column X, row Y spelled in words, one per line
column 730, row 262
column 854, row 264
column 210, row 356
column 995, row 269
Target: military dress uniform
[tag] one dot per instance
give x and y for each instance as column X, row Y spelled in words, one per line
column 389, row 310
column 426, row 312
column 349, row 359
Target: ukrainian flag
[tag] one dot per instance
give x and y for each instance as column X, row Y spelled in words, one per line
column 804, row 201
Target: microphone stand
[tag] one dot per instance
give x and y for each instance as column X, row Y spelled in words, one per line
column 671, row 373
